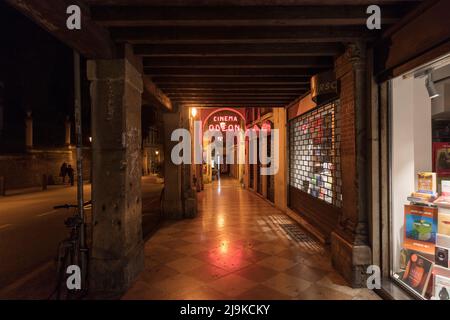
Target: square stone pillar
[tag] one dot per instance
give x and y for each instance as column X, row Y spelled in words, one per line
column 173, row 186
column 180, row 200
column 117, row 245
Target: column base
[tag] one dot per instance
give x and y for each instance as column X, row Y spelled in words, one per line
column 190, row 207
column 114, row 276
column 350, row 260
column 172, row 209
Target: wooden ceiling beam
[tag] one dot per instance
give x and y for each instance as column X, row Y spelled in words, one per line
column 242, row 3
column 235, row 86
column 231, row 72
column 238, row 62
column 228, row 81
column 139, row 16
column 233, row 34
column 236, row 102
column 241, row 94
column 169, row 91
column 235, row 105
column 239, row 50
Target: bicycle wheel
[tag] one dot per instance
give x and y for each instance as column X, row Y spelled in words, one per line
column 67, row 259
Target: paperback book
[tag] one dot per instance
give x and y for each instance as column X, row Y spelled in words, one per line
column 417, row 274
column 420, row 228
column 441, row 288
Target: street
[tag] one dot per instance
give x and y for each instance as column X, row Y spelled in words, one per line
column 29, row 221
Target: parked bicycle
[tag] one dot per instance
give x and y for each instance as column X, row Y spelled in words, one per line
column 70, row 252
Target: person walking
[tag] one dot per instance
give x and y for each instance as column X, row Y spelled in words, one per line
column 70, row 173
column 63, row 172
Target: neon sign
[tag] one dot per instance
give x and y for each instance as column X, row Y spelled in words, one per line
column 224, row 122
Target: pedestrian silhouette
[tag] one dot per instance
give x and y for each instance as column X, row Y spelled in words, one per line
column 70, row 173
column 63, row 172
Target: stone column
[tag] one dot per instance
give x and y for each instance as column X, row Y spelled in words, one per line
column 172, row 203
column 179, row 198
column 67, row 126
column 145, row 161
column 117, row 246
column 29, row 131
column 357, row 57
column 2, row 107
column 189, row 193
column 351, row 253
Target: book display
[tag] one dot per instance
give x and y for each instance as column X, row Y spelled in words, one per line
column 315, row 154
column 424, row 256
column 416, row 206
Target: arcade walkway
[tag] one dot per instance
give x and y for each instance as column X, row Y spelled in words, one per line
column 239, row 247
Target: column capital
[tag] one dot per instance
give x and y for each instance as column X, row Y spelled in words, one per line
column 115, row 70
column 356, row 51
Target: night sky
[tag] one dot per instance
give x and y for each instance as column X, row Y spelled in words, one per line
column 36, row 70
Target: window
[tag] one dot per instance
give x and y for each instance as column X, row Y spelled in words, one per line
column 420, row 181
column 315, row 166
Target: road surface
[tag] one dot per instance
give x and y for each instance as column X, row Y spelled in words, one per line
column 30, row 229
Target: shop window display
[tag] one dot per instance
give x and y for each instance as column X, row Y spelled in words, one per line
column 420, row 180
column 315, row 153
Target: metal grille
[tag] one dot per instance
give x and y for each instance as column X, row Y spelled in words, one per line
column 293, row 232
column 315, row 160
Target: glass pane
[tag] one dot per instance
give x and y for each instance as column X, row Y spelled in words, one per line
column 420, row 183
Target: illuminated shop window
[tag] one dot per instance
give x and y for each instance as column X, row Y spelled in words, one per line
column 315, row 161
column 420, row 180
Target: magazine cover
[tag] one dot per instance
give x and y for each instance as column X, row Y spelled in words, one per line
column 426, row 183
column 444, row 200
column 444, row 222
column 441, row 257
column 441, row 287
column 417, row 273
column 441, row 158
column 420, row 228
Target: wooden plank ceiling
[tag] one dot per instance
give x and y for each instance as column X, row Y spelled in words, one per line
column 242, row 53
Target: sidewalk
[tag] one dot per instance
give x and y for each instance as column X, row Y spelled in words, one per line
column 239, row 247
column 15, row 192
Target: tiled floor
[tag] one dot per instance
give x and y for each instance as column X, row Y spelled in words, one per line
column 239, row 247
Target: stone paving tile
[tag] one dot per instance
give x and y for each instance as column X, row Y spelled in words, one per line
column 232, row 285
column 317, row 292
column 287, row 284
column 185, row 264
column 257, row 273
column 262, row 292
